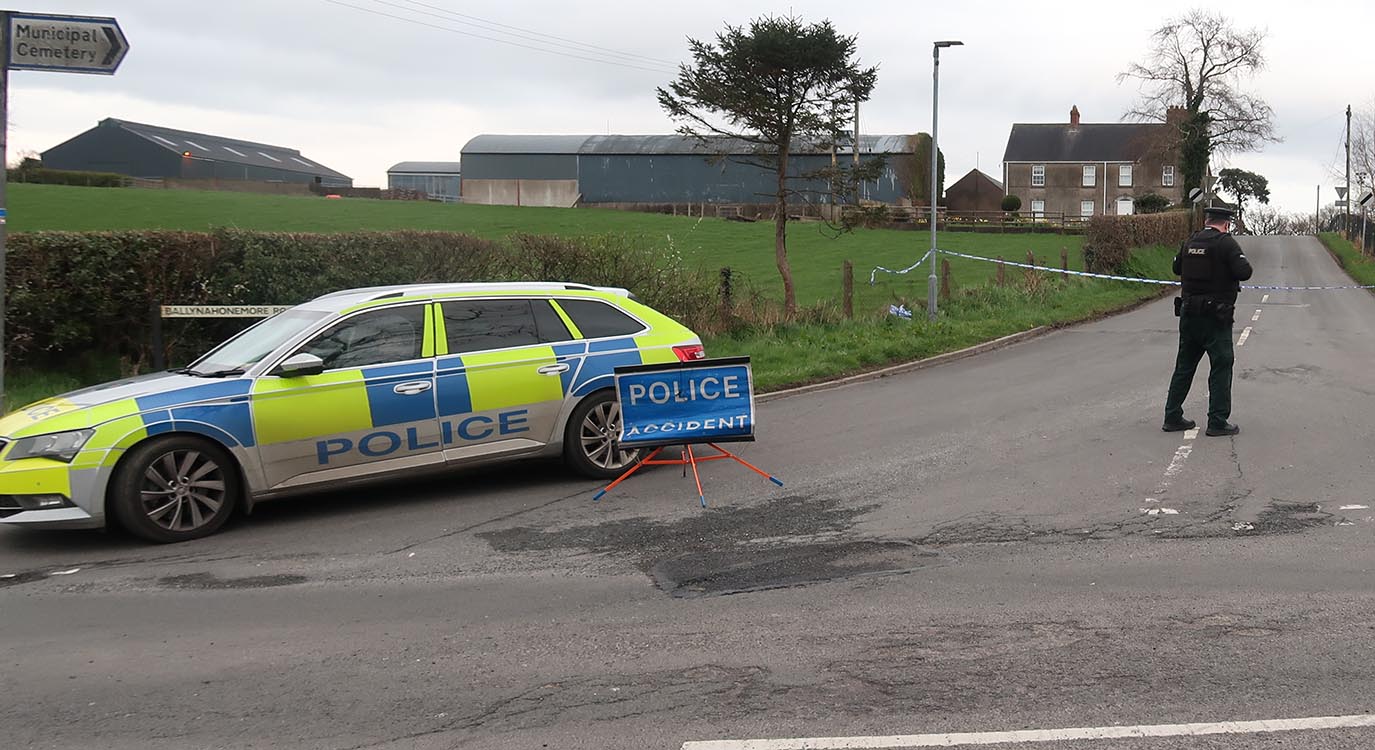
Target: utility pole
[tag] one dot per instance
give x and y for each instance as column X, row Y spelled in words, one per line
column 1347, row 224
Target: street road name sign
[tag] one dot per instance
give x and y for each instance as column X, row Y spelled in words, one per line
column 222, row 311
column 65, row 44
column 1340, row 204
column 707, row 401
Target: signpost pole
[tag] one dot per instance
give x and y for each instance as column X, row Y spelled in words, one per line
column 57, row 43
column 4, row 178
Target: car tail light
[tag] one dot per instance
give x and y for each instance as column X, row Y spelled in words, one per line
column 690, row 352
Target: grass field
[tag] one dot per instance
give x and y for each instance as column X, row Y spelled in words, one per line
column 747, row 248
column 783, row 355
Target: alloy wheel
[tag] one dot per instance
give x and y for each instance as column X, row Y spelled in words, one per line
column 183, row 490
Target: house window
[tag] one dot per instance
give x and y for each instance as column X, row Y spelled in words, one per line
column 1090, row 175
column 1167, row 176
column 1038, row 209
column 1124, row 175
column 1038, row 175
column 1086, row 209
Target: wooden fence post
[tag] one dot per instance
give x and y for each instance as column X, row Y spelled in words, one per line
column 727, row 291
column 1002, row 270
column 1064, row 258
column 945, row 280
column 847, row 289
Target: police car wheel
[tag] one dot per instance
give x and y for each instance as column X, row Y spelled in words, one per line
column 592, row 443
column 174, row 489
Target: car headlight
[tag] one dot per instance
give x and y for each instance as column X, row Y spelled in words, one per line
column 62, row 446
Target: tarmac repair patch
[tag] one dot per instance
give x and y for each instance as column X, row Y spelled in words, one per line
column 738, row 571
column 787, row 541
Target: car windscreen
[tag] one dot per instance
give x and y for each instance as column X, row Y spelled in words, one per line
column 256, row 342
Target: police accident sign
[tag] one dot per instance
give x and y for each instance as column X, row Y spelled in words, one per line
column 67, row 44
column 706, row 401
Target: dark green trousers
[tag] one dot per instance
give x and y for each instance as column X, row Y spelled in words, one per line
column 1199, row 335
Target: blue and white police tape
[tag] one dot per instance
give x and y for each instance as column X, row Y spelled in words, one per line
column 1110, row 277
column 874, row 273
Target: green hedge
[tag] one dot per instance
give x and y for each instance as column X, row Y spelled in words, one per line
column 67, row 177
column 75, row 296
column 1109, row 240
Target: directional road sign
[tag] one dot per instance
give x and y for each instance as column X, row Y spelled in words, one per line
column 65, row 44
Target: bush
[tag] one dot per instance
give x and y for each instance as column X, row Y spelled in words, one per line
column 89, row 296
column 1012, row 203
column 1109, row 240
column 1150, row 203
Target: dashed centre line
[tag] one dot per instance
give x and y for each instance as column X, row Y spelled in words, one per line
column 1255, row 317
column 956, row 739
column 1245, row 334
column 1265, row 299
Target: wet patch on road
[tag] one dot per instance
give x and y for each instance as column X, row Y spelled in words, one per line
column 788, row 541
column 212, row 582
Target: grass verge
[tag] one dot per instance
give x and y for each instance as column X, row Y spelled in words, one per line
column 1358, row 266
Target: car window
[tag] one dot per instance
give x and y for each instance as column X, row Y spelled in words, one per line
column 258, row 341
column 394, row 334
column 480, row 324
column 550, row 325
column 596, row 320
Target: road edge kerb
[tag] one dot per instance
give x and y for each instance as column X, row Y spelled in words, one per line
column 972, row 351
column 905, row 367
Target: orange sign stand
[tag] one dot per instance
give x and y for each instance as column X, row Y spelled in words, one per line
column 685, row 460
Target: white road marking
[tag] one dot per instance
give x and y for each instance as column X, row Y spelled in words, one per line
column 1160, row 511
column 1191, row 434
column 64, row 572
column 1242, row 526
column 1255, row 317
column 1041, row 735
column 1265, row 299
column 1245, row 334
column 1353, row 507
column 1177, row 463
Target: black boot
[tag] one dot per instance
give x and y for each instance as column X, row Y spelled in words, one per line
column 1179, row 426
column 1226, row 429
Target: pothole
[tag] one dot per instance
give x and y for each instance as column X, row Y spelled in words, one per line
column 211, row 582
column 737, row 571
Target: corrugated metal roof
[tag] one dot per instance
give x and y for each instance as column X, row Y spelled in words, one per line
column 223, row 149
column 651, row 144
column 425, row 167
column 524, row 144
column 1087, row 142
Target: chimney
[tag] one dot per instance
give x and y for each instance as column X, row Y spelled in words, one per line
column 1074, row 116
column 1176, row 115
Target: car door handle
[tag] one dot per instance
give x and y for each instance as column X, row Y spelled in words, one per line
column 557, row 369
column 410, row 389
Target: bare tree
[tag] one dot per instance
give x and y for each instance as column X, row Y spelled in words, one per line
column 1265, row 220
column 1199, row 62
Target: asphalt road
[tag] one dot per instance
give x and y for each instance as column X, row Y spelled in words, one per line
column 1007, row 542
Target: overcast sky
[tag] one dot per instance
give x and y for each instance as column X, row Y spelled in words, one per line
column 359, row 91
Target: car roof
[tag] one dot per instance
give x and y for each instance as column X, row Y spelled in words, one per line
column 348, row 298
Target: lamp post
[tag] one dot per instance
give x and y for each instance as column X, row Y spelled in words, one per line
column 935, row 159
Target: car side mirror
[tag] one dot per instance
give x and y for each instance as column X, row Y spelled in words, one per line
column 300, row 365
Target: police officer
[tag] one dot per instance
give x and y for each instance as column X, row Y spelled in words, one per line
column 1211, row 266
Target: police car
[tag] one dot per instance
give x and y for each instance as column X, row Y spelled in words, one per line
column 354, row 385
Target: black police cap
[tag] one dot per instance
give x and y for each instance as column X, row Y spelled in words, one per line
column 1219, row 213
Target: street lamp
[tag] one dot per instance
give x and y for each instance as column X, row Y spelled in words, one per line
column 935, row 158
